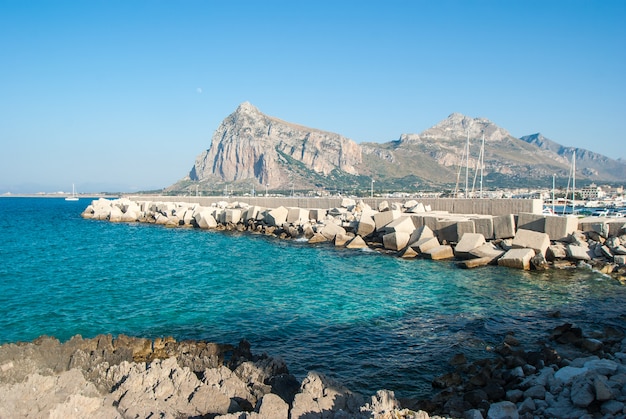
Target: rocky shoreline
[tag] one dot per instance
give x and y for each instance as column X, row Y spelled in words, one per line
column 569, row 375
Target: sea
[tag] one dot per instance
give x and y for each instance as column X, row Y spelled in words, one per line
column 366, row 319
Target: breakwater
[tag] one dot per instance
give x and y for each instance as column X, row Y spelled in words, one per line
column 524, row 240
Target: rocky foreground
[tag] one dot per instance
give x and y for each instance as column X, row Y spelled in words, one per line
column 570, row 375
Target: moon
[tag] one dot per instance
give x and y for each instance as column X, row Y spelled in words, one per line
column 199, row 89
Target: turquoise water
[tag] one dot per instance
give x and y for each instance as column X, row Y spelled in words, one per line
column 369, row 320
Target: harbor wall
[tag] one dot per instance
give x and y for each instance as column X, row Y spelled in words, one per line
column 452, row 205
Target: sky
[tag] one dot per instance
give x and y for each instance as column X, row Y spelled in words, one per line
column 124, row 95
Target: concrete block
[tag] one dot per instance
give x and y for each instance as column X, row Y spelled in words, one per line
column 425, row 244
column 366, row 226
column 597, row 224
column 430, row 221
column 317, row 214
column 396, row 240
column 250, row 213
column 330, row 230
column 418, row 220
column 468, row 242
column 504, row 226
column 464, row 227
column 620, row 259
column 533, row 222
column 409, row 253
column 231, row 215
column 417, row 209
column 559, row 228
column 517, row 258
column 420, row 233
column 440, row 252
column 404, row 223
column 446, row 229
column 385, row 217
column 205, row 220
column 277, row 216
column 535, row 240
column 487, row 250
column 317, row 238
column 556, row 251
column 356, row 243
column 297, row 215
column 341, row 239
column 576, row 252
column 616, row 227
column 484, row 225
column 475, row 263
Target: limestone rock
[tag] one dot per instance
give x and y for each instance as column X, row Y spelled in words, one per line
column 251, row 145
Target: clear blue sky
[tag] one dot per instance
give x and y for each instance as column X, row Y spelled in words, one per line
column 123, row 95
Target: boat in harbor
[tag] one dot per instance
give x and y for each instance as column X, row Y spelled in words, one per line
column 72, row 197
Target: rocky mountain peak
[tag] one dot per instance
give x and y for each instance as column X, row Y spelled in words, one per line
column 251, row 146
column 458, row 126
column 247, row 108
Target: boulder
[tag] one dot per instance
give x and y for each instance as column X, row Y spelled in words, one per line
column 321, row 395
column 468, row 242
column 530, row 239
column 517, row 258
column 502, row 410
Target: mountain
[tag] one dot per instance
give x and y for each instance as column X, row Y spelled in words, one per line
column 592, row 165
column 249, row 146
column 251, row 150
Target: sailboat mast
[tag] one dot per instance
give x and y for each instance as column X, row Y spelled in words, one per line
column 574, row 182
column 467, row 166
column 482, row 165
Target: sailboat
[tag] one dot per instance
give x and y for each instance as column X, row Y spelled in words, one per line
column 73, row 197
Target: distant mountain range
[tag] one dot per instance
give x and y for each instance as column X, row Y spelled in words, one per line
column 252, row 150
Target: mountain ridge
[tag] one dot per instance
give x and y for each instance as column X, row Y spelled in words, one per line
column 258, row 150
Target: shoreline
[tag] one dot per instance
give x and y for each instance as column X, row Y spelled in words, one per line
column 406, row 229
column 569, row 374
